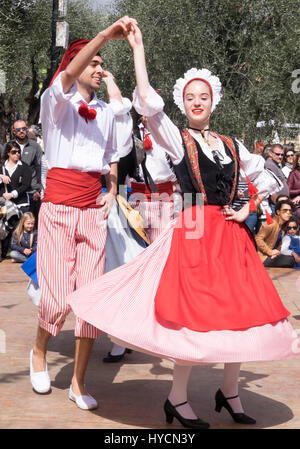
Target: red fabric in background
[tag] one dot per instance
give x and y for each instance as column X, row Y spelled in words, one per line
column 163, row 187
column 217, row 281
column 72, row 188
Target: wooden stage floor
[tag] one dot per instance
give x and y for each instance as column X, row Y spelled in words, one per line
column 130, row 393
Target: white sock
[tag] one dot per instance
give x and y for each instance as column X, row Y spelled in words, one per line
column 230, row 386
column 178, row 393
column 117, row 350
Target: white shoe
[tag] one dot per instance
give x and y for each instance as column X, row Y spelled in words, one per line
column 85, row 402
column 40, row 381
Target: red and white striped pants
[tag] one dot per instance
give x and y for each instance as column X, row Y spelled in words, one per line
column 156, row 215
column 70, row 253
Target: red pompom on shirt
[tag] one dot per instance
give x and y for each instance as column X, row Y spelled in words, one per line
column 87, row 113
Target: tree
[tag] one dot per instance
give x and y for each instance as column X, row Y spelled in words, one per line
column 253, row 46
column 25, row 40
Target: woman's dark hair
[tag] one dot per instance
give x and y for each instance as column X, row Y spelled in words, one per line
column 280, row 203
column 291, row 220
column 8, row 147
column 296, row 161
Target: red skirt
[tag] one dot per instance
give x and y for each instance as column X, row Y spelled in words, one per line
column 217, row 281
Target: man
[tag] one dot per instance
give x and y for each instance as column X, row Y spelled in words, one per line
column 31, row 153
column 80, row 145
column 274, row 163
column 269, row 237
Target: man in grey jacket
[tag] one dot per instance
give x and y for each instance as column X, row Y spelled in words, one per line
column 274, row 163
column 31, row 154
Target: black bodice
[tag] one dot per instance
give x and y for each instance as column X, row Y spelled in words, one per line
column 217, row 181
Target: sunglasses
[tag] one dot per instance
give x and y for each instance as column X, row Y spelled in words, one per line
column 290, row 155
column 15, row 152
column 286, row 211
column 278, row 154
column 20, row 129
column 292, row 227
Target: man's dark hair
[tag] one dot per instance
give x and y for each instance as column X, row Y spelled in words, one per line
column 279, row 204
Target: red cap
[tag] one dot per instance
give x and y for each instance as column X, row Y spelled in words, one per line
column 72, row 50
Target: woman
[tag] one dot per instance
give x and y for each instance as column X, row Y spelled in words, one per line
column 294, row 185
column 289, row 155
column 15, row 177
column 15, row 181
column 193, row 296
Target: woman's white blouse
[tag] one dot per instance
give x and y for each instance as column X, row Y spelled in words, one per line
column 157, row 163
column 69, row 141
column 168, row 136
column 123, row 119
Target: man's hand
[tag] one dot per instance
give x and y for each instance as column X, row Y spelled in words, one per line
column 119, row 29
column 106, row 200
column 275, row 253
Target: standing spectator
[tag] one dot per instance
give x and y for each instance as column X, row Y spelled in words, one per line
column 269, row 238
column 15, row 179
column 31, row 154
column 24, row 239
column 289, row 155
column 274, row 164
column 294, row 185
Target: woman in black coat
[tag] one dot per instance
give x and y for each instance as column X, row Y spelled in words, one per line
column 15, row 176
column 15, row 182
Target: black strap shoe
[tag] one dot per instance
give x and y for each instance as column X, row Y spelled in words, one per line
column 116, row 358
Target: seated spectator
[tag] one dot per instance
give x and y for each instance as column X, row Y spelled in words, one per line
column 294, row 185
column 15, row 181
column 289, row 155
column 24, row 239
column 291, row 241
column 269, row 238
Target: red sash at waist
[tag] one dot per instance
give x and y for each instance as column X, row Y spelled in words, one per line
column 72, row 188
column 163, row 187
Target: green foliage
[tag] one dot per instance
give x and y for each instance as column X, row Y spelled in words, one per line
column 252, row 45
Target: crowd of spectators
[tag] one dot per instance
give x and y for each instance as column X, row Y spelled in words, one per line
column 20, row 180
column 23, row 170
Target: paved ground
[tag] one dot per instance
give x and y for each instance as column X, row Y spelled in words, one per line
column 131, row 393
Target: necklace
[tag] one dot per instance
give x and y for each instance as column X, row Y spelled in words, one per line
column 217, row 156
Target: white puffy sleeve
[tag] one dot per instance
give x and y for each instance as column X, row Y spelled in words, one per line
column 254, row 166
column 123, row 122
column 163, row 130
column 285, row 245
